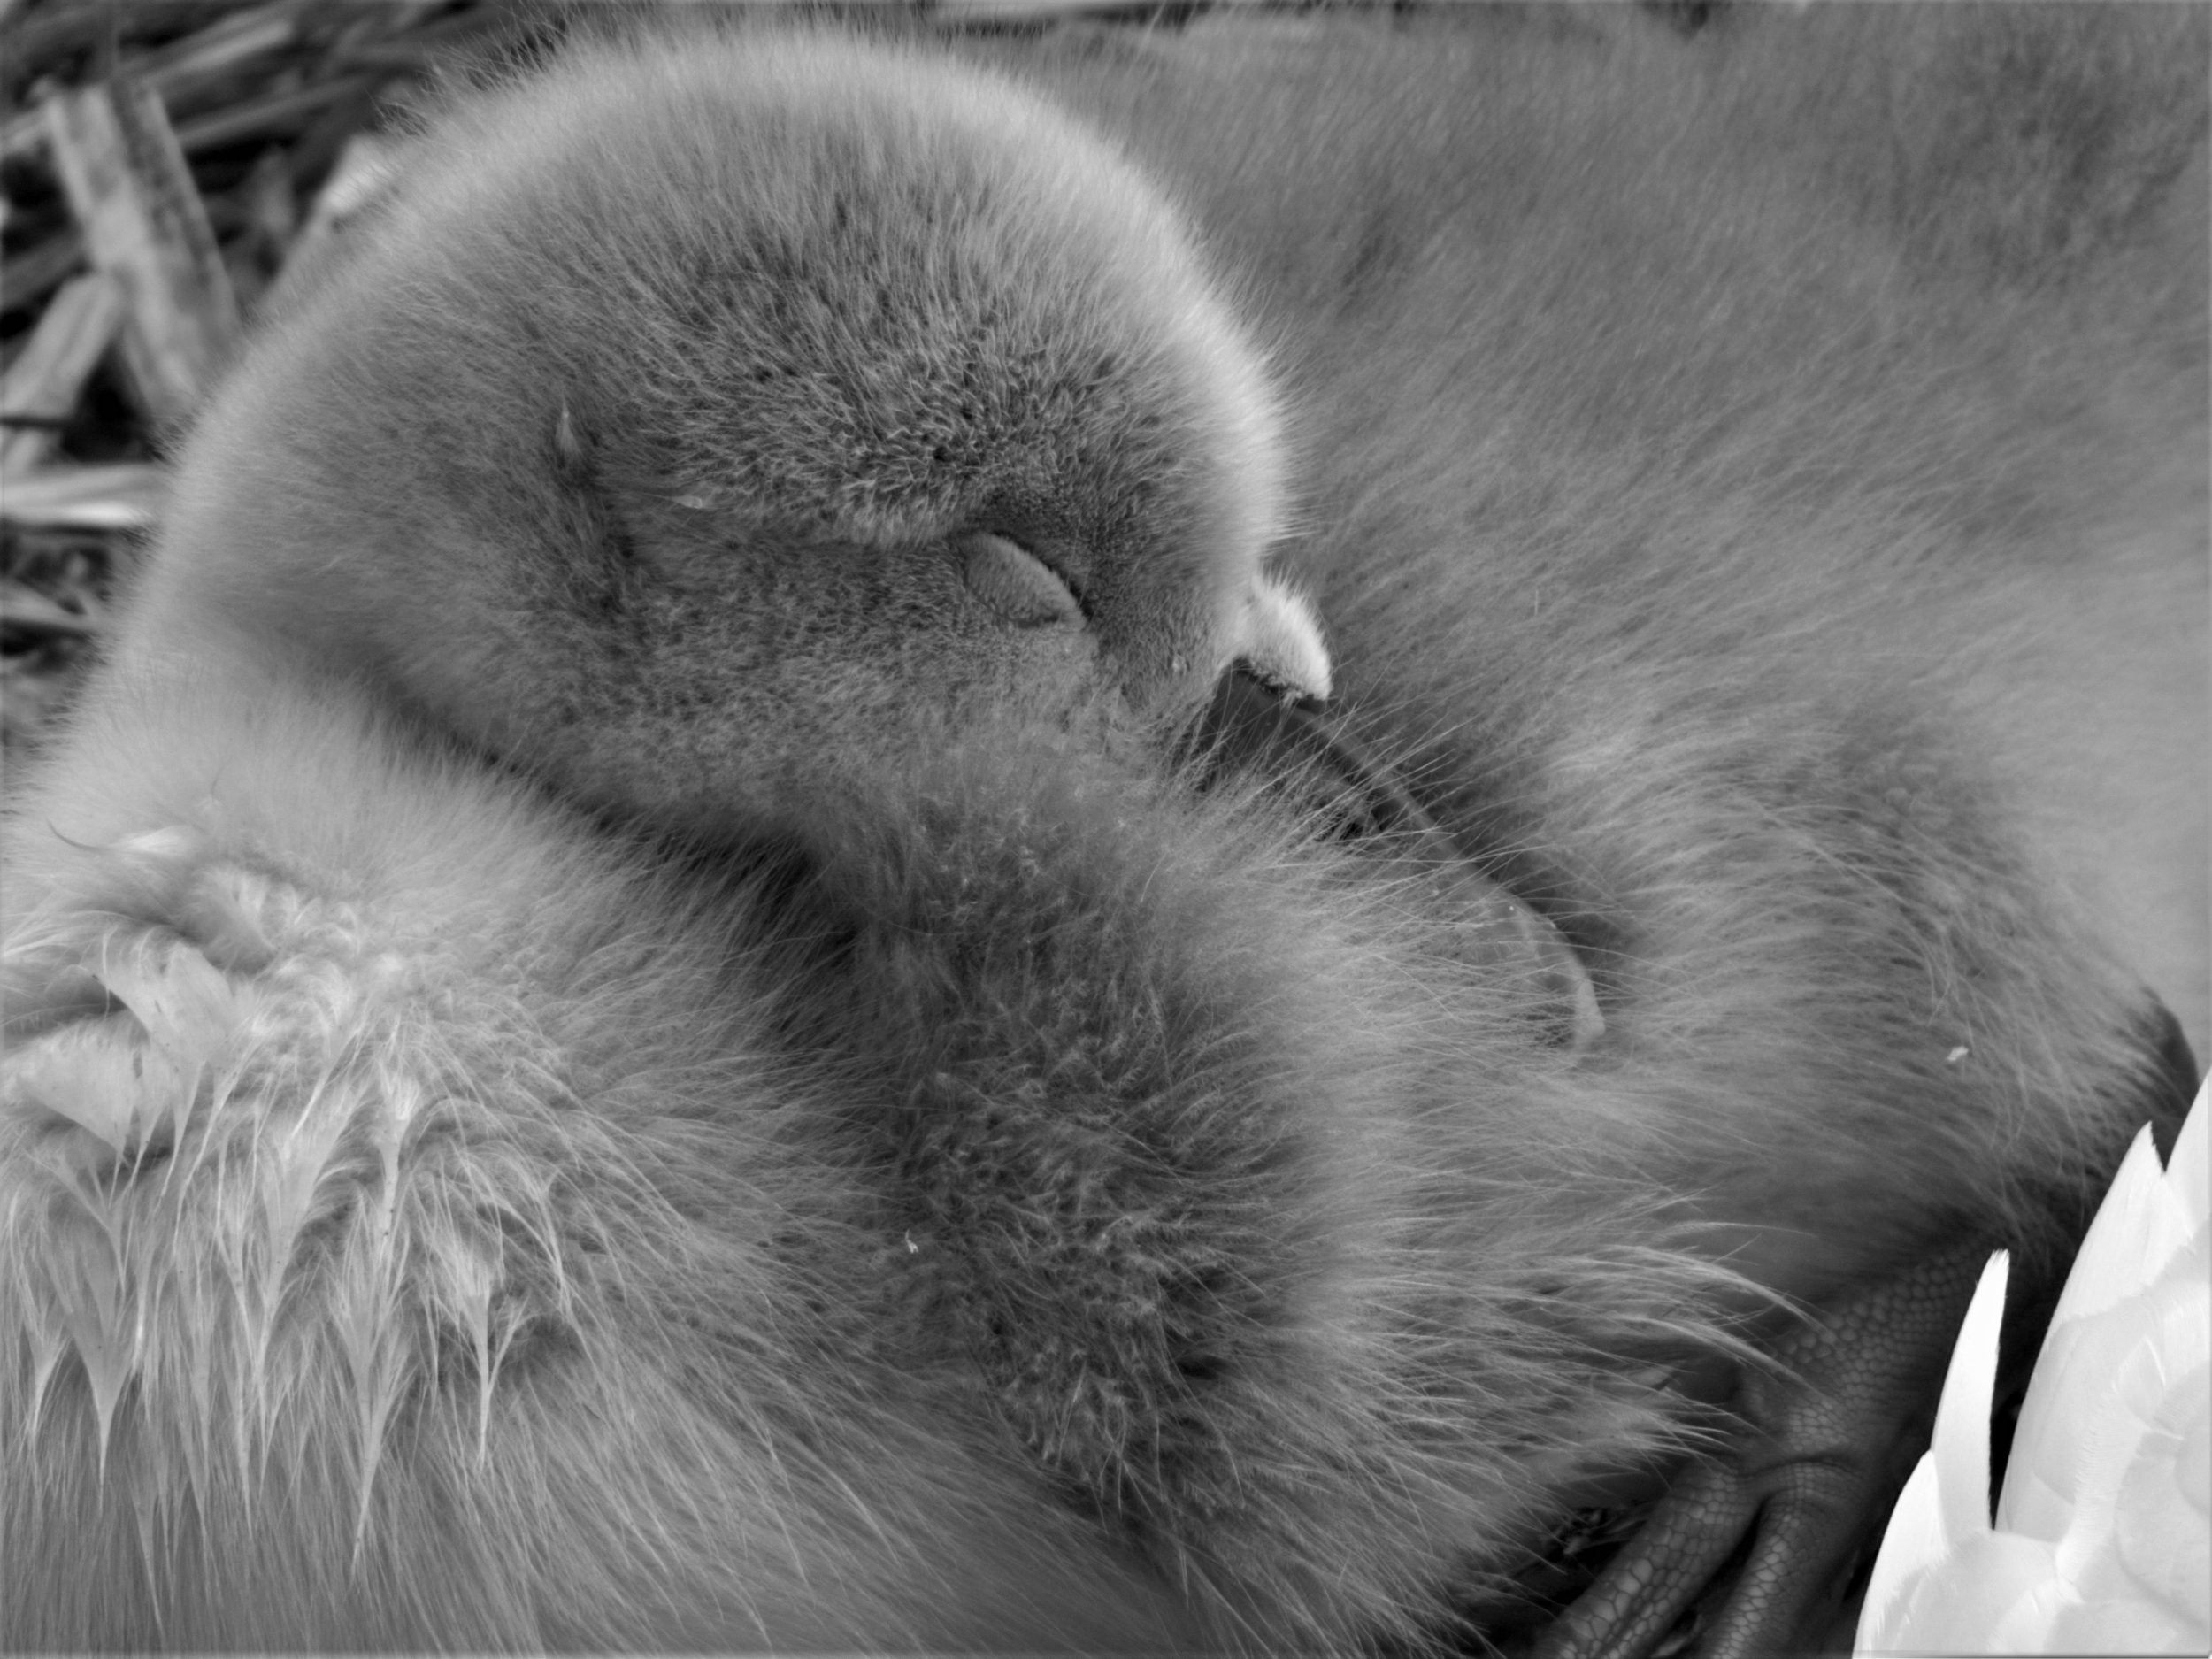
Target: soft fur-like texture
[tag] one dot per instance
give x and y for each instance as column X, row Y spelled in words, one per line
column 623, row 1034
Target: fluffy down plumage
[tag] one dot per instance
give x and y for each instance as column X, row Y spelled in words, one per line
column 626, row 1029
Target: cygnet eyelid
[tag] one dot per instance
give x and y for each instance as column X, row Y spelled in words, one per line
column 1013, row 581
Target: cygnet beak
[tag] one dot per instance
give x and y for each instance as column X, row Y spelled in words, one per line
column 1253, row 725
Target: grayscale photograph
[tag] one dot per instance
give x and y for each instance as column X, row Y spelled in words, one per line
column 1215, row 827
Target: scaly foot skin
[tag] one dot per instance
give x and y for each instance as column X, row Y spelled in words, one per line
column 1829, row 1435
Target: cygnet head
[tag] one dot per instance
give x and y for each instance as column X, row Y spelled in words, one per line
column 702, row 412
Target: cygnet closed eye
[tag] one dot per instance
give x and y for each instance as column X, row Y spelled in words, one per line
column 1016, row 585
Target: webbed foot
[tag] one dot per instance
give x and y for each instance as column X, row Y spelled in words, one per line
column 1829, row 1433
